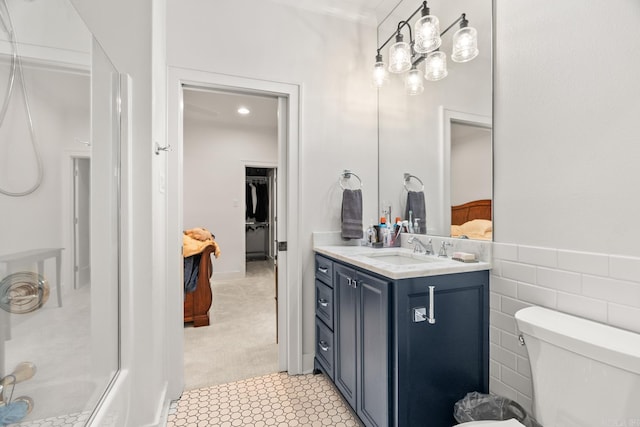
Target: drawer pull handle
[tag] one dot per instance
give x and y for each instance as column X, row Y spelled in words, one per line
column 324, row 270
column 323, row 302
column 323, row 345
column 352, row 282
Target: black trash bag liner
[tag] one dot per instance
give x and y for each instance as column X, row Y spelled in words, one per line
column 479, row 406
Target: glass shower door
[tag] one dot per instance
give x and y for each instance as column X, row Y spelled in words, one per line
column 59, row 342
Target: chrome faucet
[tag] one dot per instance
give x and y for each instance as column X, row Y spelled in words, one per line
column 429, row 248
column 419, row 246
column 443, row 249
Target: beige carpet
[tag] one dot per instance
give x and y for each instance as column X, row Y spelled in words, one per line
column 240, row 342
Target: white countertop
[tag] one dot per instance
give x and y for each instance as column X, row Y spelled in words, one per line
column 366, row 257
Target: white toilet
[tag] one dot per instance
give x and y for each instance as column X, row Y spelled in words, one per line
column 585, row 374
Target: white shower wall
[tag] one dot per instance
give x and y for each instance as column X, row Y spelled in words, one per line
column 59, row 103
column 67, row 43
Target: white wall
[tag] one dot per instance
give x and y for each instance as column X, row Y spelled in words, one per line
column 329, row 58
column 565, row 139
column 410, row 126
column 215, row 156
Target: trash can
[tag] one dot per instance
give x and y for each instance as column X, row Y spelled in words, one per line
column 479, row 407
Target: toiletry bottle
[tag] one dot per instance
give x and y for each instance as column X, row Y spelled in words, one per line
column 416, row 225
column 397, row 229
column 369, row 236
column 382, row 230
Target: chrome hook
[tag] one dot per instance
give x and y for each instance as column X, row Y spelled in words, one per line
column 159, row 148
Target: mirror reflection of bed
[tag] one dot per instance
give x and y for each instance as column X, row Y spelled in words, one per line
column 472, row 220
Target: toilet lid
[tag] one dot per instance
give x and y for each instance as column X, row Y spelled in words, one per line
column 508, row 423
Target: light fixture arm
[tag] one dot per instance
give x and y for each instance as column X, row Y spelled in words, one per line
column 401, row 24
column 405, row 57
column 462, row 25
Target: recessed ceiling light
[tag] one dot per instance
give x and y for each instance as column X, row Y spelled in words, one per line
column 243, row 111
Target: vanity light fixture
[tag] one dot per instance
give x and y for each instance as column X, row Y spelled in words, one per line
column 406, row 57
column 414, row 83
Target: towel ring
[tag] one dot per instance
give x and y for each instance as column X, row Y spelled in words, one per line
column 347, row 174
column 407, row 178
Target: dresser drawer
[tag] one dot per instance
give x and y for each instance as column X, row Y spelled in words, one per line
column 324, row 270
column 324, row 303
column 324, row 347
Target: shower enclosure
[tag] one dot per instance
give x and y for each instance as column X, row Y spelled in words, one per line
column 59, row 216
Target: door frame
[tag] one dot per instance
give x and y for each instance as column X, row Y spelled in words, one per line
column 448, row 116
column 290, row 282
column 68, row 157
column 76, row 238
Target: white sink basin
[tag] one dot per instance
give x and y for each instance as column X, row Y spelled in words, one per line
column 402, row 259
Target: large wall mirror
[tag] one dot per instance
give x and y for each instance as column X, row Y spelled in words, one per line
column 60, row 227
column 440, row 137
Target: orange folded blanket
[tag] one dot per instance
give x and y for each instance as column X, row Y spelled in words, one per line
column 195, row 240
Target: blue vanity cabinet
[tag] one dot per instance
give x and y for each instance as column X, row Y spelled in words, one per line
column 393, row 366
column 324, row 299
column 362, row 343
column 438, row 363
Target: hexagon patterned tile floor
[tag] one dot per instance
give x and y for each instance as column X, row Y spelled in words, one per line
column 272, row 400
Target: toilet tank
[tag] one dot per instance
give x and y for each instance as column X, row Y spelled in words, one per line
column 584, row 373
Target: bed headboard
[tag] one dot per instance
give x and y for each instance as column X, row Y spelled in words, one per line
column 476, row 209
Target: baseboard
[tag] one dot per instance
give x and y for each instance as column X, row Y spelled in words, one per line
column 307, row 363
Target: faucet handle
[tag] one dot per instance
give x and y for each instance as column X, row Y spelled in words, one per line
column 443, row 249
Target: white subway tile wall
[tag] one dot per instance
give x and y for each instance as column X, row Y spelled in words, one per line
column 600, row 287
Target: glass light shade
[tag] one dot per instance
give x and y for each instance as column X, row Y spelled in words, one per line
column 435, row 66
column 399, row 57
column 465, row 45
column 380, row 76
column 414, row 83
column 427, row 31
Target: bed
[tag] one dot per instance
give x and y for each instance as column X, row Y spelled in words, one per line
column 197, row 303
column 472, row 219
column 198, row 244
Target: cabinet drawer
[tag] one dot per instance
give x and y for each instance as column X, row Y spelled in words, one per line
column 324, row 270
column 324, row 347
column 324, row 303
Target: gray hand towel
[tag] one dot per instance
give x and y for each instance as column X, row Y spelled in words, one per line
column 415, row 203
column 351, row 214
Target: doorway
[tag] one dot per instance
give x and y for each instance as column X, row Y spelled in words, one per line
column 228, row 140
column 288, row 199
column 476, row 130
column 260, row 217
